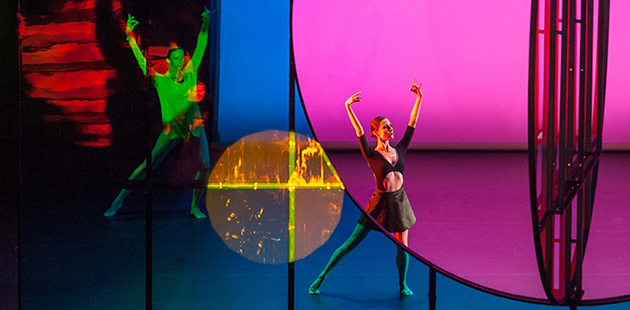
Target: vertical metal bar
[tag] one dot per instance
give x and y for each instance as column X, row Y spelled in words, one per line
column 571, row 96
column 12, row 126
column 589, row 90
column 588, row 104
column 579, row 244
column 549, row 118
column 291, row 271
column 149, row 243
column 216, row 22
column 549, row 115
column 533, row 109
column 432, row 288
column 584, row 72
column 576, row 277
column 291, row 226
column 563, row 90
column 550, row 250
column 569, row 25
column 602, row 64
column 566, row 239
column 148, row 182
column 292, row 75
column 549, row 128
column 588, row 212
column 564, row 255
column 602, row 67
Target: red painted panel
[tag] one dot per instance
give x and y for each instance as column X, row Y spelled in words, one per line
column 74, row 106
column 49, row 34
column 66, row 81
column 64, row 53
column 94, row 92
column 96, row 129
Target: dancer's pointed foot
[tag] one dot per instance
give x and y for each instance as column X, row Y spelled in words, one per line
column 196, row 212
column 314, row 288
column 112, row 210
column 405, row 291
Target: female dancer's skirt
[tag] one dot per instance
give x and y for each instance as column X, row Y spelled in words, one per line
column 390, row 209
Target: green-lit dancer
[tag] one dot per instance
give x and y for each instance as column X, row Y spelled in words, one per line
column 389, row 205
column 180, row 115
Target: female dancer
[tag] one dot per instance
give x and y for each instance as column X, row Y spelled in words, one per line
column 181, row 117
column 389, row 205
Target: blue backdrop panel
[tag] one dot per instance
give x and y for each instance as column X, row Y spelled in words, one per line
column 254, row 69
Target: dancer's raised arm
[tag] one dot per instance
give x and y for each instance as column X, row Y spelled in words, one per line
column 131, row 23
column 202, row 40
column 413, row 119
column 353, row 118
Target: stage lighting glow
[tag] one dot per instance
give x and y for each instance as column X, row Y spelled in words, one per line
column 274, row 197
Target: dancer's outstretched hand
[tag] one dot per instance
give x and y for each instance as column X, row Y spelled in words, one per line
column 354, row 98
column 416, row 88
column 131, row 23
column 205, row 18
column 206, row 13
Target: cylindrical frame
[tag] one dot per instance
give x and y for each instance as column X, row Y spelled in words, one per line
column 563, row 162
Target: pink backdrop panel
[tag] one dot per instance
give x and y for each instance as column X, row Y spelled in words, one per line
column 472, row 58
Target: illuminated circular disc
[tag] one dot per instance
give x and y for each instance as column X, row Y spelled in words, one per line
column 472, row 58
column 273, row 197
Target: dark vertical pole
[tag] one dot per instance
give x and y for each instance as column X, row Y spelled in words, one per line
column 580, row 241
column 565, row 236
column 571, row 91
column 216, row 22
column 549, row 127
column 291, row 275
column 532, row 98
column 602, row 68
column 291, row 76
column 548, row 118
column 570, row 22
column 602, row 63
column 12, row 126
column 148, row 181
column 563, row 93
column 574, row 280
column 588, row 109
column 432, row 288
column 10, row 184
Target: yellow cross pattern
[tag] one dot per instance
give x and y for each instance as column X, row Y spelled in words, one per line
column 266, row 182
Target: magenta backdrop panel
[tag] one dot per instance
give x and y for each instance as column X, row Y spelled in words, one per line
column 471, row 56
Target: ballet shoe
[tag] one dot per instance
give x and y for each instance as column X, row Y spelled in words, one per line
column 406, row 292
column 197, row 213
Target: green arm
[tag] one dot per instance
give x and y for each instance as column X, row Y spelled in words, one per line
column 131, row 23
column 202, row 40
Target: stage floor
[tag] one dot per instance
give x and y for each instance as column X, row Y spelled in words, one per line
column 474, row 218
column 473, row 221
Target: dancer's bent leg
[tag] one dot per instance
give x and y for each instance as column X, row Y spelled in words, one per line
column 360, row 232
column 402, row 262
column 162, row 147
column 203, row 174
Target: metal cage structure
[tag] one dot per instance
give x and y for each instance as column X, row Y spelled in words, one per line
column 567, row 83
